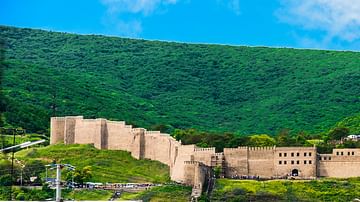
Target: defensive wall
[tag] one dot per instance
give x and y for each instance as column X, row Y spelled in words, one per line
column 190, row 164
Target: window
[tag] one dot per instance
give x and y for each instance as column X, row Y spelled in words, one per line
column 285, row 162
column 342, row 153
column 320, row 158
column 309, row 161
column 292, row 154
column 324, row 158
column 297, row 162
column 348, row 153
column 337, row 153
column 304, row 161
column 279, row 154
column 304, row 153
column 280, row 162
column 292, row 162
column 329, row 158
column 285, row 154
column 298, row 154
column 352, row 153
column 309, row 153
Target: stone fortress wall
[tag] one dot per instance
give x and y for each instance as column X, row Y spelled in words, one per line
column 192, row 165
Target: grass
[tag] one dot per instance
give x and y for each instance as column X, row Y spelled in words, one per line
column 93, row 195
column 107, row 165
column 284, row 190
column 7, row 140
column 164, row 193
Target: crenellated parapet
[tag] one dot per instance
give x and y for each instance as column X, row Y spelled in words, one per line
column 200, row 149
column 190, row 164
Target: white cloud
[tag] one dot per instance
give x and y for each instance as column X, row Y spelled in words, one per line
column 233, row 5
column 146, row 7
column 339, row 19
column 132, row 27
column 129, row 28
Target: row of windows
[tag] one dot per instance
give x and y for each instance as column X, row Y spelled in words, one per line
column 293, row 154
column 342, row 153
column 325, row 158
column 293, row 162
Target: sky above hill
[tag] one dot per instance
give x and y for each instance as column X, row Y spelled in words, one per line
column 317, row 24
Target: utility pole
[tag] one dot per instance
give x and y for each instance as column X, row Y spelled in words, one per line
column 58, row 183
column 46, row 175
column 21, row 177
column 12, row 162
column 58, row 178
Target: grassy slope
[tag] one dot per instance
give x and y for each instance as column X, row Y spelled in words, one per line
column 101, row 195
column 164, row 193
column 107, row 165
column 320, row 190
column 8, row 140
column 210, row 87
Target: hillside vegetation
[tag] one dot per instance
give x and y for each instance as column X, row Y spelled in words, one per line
column 284, row 190
column 150, row 83
column 106, row 165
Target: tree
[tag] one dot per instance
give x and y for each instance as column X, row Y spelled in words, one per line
column 283, row 138
column 262, row 140
column 80, row 176
column 5, row 180
column 338, row 133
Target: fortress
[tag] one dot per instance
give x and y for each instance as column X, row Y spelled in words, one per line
column 192, row 165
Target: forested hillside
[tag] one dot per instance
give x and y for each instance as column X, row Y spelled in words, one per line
column 177, row 85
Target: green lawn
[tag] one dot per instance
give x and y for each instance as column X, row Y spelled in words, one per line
column 92, row 195
column 284, row 190
column 107, row 165
column 163, row 193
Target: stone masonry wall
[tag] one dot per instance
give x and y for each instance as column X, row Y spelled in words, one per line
column 57, row 126
column 342, row 163
column 120, row 136
column 188, row 163
column 289, row 159
column 236, row 162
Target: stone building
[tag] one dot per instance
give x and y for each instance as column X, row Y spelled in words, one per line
column 192, row 165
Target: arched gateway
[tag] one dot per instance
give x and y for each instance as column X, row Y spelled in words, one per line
column 295, row 172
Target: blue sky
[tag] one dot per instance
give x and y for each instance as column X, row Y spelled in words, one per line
column 316, row 24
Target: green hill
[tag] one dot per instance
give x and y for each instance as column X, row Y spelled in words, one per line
column 352, row 123
column 208, row 87
column 285, row 190
column 106, row 165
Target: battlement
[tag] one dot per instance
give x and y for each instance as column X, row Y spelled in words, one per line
column 117, row 122
column 260, row 148
column 295, row 148
column 152, row 132
column 90, row 120
column 58, row 118
column 198, row 149
column 128, row 126
column 231, row 149
column 189, row 163
column 75, row 117
column 137, row 129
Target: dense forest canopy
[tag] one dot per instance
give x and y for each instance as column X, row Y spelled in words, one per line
column 218, row 88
